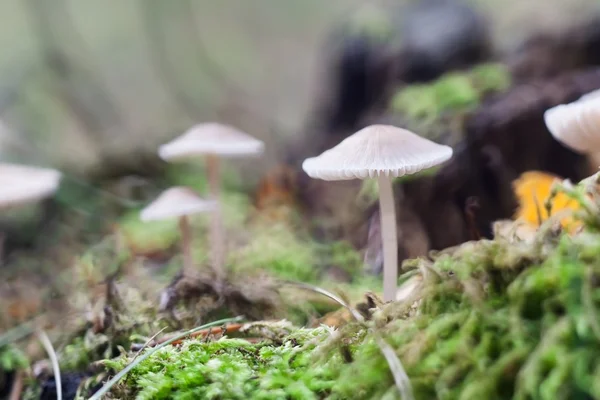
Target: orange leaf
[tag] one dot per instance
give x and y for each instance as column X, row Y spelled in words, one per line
column 533, row 189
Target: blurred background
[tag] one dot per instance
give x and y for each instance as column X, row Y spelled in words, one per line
column 85, row 80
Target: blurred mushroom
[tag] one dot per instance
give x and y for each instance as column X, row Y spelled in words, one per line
column 179, row 202
column 382, row 152
column 577, row 124
column 212, row 140
column 21, row 185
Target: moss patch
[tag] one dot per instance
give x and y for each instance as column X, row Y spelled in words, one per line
column 492, row 319
column 454, row 91
column 436, row 108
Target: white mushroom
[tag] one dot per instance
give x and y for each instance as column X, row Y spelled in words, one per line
column 382, row 152
column 212, row 140
column 178, row 202
column 577, row 124
column 21, row 185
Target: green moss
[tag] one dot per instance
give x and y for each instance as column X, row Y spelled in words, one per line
column 372, row 22
column 341, row 254
column 431, row 109
column 148, row 236
column 416, row 102
column 12, row 359
column 490, row 78
column 454, row 91
column 279, row 251
column 230, row 369
column 194, row 175
column 495, row 319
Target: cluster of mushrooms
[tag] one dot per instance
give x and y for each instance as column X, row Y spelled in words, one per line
column 211, row 141
column 380, row 152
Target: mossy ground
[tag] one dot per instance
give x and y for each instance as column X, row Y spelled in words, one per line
column 493, row 319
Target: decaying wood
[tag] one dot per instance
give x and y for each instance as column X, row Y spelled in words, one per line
column 547, row 55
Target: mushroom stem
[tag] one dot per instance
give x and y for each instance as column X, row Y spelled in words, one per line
column 186, row 243
column 387, row 214
column 2, row 241
column 216, row 232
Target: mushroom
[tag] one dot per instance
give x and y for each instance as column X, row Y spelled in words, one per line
column 21, row 185
column 212, row 140
column 577, row 124
column 179, row 202
column 382, row 152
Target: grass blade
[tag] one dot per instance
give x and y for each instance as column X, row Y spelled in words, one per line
column 17, row 333
column 327, row 293
column 45, row 340
column 400, row 377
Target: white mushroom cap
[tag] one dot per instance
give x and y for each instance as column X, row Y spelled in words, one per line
column 21, row 184
column 377, row 150
column 211, row 138
column 577, row 124
column 176, row 202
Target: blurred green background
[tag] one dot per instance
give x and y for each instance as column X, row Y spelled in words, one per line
column 80, row 79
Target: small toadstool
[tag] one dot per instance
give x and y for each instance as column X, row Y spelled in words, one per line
column 212, row 140
column 382, row 152
column 21, row 185
column 577, row 124
column 179, row 202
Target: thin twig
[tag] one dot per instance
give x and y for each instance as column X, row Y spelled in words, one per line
column 18, row 332
column 232, row 328
column 357, row 316
column 17, row 387
column 45, row 340
column 538, row 209
column 400, row 377
column 147, row 343
column 471, row 206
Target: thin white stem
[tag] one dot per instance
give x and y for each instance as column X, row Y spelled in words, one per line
column 186, row 243
column 43, row 337
column 2, row 241
column 389, row 238
column 217, row 239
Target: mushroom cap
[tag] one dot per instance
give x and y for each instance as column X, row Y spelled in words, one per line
column 576, row 124
column 211, row 138
column 21, row 184
column 377, row 150
column 175, row 202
